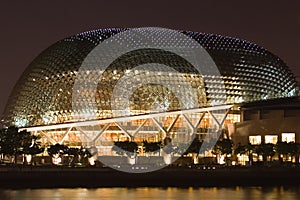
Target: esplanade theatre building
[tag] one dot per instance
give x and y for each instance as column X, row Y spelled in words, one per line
column 257, row 101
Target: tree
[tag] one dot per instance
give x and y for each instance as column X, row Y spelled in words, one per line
column 13, row 142
column 266, row 150
column 288, row 149
column 127, row 147
column 282, row 149
column 194, row 148
column 294, row 150
column 223, row 147
column 56, row 151
column 85, row 153
column 34, row 148
column 73, row 155
column 152, row 147
column 167, row 145
column 245, row 150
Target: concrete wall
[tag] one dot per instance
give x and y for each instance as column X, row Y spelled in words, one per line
column 275, row 126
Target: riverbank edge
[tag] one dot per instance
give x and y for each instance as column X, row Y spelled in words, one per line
column 168, row 177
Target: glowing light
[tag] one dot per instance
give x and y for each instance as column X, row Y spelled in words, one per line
column 56, row 159
column 132, row 161
column 288, row 137
column 271, row 139
column 91, row 161
column 167, row 158
column 28, row 158
column 20, row 121
column 222, row 160
column 255, row 139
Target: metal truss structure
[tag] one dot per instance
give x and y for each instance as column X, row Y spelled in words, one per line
column 180, row 125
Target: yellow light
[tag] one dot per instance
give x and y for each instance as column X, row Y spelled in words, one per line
column 91, row 161
column 131, row 161
column 167, row 158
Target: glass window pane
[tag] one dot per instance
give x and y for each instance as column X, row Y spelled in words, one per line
column 271, row 139
column 288, row 137
column 255, row 139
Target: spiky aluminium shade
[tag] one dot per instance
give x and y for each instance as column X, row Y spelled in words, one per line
column 43, row 95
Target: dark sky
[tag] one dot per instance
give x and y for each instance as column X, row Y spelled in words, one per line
column 28, row 27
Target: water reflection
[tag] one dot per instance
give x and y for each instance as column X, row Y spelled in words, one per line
column 291, row 193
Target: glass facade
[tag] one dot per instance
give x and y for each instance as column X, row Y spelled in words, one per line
column 43, row 95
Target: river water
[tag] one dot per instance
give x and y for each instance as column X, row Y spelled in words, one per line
column 286, row 193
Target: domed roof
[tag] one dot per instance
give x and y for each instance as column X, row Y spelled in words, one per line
column 45, row 92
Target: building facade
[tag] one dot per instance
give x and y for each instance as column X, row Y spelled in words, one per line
column 43, row 99
column 269, row 121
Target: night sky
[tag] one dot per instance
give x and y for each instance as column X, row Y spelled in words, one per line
column 29, row 27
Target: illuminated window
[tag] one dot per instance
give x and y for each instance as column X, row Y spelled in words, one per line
column 271, row 139
column 288, row 137
column 255, row 139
